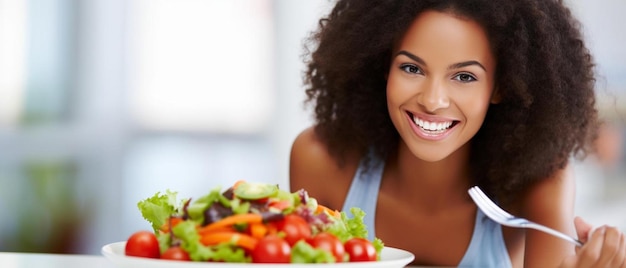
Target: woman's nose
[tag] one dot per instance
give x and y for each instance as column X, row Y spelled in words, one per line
column 433, row 97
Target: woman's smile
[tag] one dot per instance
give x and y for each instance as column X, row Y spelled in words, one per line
column 432, row 128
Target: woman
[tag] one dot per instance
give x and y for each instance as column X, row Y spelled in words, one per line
column 417, row 101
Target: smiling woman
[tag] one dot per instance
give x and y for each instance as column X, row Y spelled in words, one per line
column 416, row 101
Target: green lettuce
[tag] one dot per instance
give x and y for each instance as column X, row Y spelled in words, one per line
column 190, row 242
column 302, row 252
column 345, row 228
column 158, row 208
column 196, row 209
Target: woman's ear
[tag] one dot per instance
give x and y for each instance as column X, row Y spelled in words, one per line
column 496, row 97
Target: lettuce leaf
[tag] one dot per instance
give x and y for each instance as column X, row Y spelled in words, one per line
column 165, row 241
column 355, row 225
column 196, row 209
column 302, row 252
column 158, row 208
column 378, row 245
column 239, row 207
column 345, row 228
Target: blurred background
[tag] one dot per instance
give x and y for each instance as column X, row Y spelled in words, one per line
column 103, row 103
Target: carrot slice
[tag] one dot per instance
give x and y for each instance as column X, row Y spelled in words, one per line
column 248, row 218
column 203, row 231
column 258, row 230
column 242, row 240
column 280, row 205
column 170, row 223
column 322, row 208
column 272, row 229
column 237, row 183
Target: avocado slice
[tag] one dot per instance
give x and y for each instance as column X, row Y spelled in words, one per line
column 255, row 191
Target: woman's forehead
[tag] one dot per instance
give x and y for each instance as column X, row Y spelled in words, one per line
column 437, row 35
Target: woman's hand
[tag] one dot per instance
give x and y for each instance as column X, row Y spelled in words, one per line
column 603, row 247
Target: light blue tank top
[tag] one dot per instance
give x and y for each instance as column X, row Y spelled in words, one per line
column 486, row 249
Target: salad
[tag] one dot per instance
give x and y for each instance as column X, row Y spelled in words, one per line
column 251, row 222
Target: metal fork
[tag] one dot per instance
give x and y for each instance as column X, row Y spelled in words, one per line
column 497, row 214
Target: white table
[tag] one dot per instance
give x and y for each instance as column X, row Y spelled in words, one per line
column 44, row 260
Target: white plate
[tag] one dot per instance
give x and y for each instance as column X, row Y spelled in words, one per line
column 390, row 257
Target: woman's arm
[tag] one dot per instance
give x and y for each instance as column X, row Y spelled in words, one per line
column 551, row 203
column 312, row 168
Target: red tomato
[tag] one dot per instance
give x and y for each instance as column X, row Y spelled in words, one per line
column 176, row 253
column 360, row 249
column 295, row 228
column 272, row 249
column 330, row 243
column 143, row 244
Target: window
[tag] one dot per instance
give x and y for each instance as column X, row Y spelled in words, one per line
column 12, row 60
column 201, row 65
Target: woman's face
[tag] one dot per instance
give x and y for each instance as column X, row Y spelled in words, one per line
column 440, row 84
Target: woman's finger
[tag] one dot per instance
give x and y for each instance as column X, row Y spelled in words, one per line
column 620, row 258
column 590, row 252
column 582, row 229
column 610, row 247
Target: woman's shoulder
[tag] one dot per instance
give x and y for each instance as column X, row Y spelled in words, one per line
column 313, row 168
column 553, row 194
column 549, row 202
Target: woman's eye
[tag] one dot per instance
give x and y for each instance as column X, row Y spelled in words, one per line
column 465, row 77
column 410, row 68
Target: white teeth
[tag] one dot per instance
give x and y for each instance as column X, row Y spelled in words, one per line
column 432, row 126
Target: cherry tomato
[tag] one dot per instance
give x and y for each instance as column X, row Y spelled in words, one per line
column 272, row 249
column 143, row 244
column 176, row 253
column 330, row 243
column 295, row 228
column 360, row 249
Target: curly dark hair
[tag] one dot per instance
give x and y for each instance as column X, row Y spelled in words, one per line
column 544, row 75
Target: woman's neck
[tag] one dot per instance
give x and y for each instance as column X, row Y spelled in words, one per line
column 442, row 183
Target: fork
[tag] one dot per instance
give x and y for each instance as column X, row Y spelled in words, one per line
column 499, row 215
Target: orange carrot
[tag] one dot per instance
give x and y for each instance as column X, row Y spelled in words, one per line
column 203, row 231
column 248, row 218
column 321, row 208
column 237, row 183
column 170, row 223
column 272, row 229
column 242, row 240
column 258, row 230
column 280, row 205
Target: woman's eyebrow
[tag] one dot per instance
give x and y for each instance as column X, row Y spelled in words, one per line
column 413, row 57
column 466, row 63
column 451, row 67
